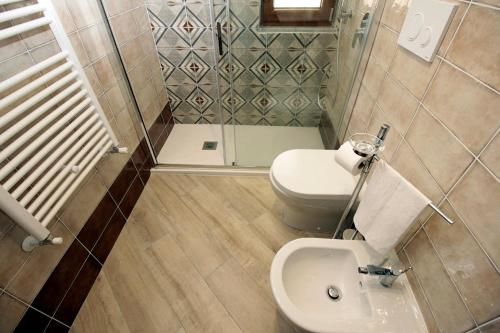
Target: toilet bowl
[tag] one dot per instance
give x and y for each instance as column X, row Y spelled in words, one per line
column 314, row 188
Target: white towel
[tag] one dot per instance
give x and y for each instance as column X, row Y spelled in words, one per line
column 389, row 207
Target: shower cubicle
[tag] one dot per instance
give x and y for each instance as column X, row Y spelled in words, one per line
column 241, row 88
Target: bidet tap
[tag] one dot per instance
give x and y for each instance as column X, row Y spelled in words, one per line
column 387, row 276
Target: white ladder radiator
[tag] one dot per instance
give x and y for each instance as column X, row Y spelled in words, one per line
column 52, row 129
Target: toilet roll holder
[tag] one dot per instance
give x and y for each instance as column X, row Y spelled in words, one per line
column 365, row 145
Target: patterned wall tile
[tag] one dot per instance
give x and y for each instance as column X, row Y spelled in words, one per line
column 275, row 77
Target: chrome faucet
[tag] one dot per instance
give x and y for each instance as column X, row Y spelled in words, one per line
column 360, row 32
column 387, row 276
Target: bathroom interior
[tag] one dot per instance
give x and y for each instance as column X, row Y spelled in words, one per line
column 249, row 166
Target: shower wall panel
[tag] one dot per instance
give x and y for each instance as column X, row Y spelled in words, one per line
column 265, row 78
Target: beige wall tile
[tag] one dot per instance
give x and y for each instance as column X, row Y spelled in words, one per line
column 430, row 321
column 11, row 254
column 132, row 54
column 93, row 80
column 491, row 156
column 126, row 129
column 406, row 162
column 394, row 13
column 362, row 110
column 95, row 41
column 475, row 47
column 107, row 71
column 11, row 47
column 466, row 107
column 445, row 158
column 141, row 19
column 124, row 27
column 115, row 7
column 393, row 138
column 452, row 29
column 447, row 306
column 64, row 15
column 374, row 75
column 110, row 166
column 12, row 312
column 78, row 209
column 397, row 103
column 476, row 199
column 80, row 51
column 118, row 97
column 467, row 264
column 37, row 37
column 14, row 65
column 84, row 12
column 31, row 277
column 384, row 47
column 413, row 72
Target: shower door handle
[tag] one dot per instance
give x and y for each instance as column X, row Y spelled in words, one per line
column 219, row 37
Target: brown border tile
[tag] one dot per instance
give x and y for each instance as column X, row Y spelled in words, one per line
column 54, row 289
column 133, row 194
column 97, row 222
column 109, row 237
column 33, row 321
column 78, row 292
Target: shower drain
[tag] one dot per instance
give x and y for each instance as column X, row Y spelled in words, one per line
column 209, row 145
column 334, row 293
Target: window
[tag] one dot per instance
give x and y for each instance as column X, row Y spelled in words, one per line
column 297, row 13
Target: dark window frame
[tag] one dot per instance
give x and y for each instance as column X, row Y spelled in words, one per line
column 296, row 17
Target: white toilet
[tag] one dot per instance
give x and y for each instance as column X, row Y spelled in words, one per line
column 313, row 186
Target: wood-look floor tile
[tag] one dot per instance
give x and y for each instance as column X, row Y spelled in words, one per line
column 194, row 256
column 149, row 219
column 242, row 201
column 274, row 232
column 104, row 310
column 243, row 298
column 140, row 297
column 234, row 233
column 192, row 234
column 194, row 303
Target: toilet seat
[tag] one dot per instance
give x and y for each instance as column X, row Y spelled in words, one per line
column 311, row 174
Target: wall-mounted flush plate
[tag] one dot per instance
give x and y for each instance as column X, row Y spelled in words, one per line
column 425, row 26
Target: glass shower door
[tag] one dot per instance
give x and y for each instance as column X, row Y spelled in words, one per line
column 280, row 86
column 270, row 83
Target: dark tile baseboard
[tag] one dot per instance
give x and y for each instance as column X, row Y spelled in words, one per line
column 57, row 304
column 161, row 128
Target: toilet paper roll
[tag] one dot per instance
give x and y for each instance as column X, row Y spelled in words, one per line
column 348, row 159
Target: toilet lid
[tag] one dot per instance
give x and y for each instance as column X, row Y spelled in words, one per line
column 312, row 174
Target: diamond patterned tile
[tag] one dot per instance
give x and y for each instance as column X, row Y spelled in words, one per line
column 300, row 68
column 199, row 12
column 194, row 67
column 265, row 67
column 162, row 15
column 200, row 100
column 283, row 41
column 275, row 76
column 234, row 68
column 232, row 101
column 170, row 38
column 264, row 101
column 297, row 101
